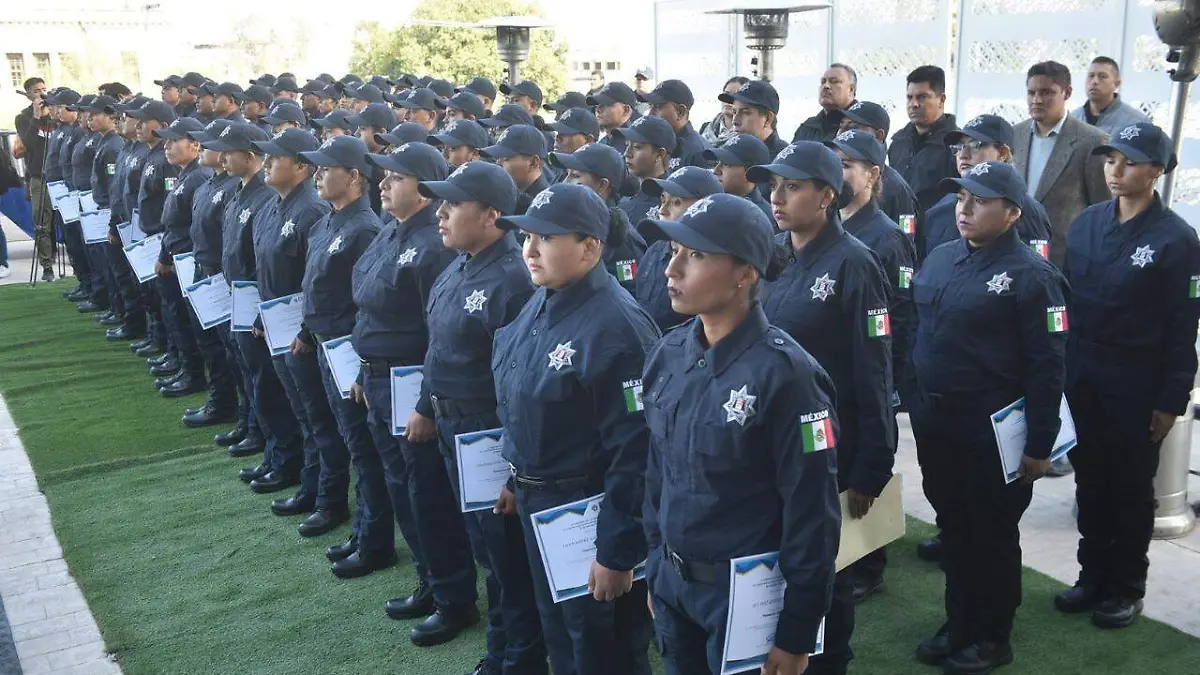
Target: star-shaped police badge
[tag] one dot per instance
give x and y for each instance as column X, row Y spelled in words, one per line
column 561, row 356
column 475, row 301
column 698, row 207
column 999, row 283
column 289, row 228
column 847, row 135
column 244, row 216
column 540, row 199
column 1144, row 255
column 980, row 169
column 823, row 287
column 149, row 172
column 335, row 245
column 1130, row 132
column 407, row 256
column 740, row 406
column 785, row 153
column 218, row 196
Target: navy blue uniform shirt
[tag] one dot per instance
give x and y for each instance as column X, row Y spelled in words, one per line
column 53, row 168
column 178, row 210
column 104, row 169
column 83, row 154
column 237, row 230
column 1135, row 290
column 924, row 159
column 568, row 376
column 158, row 179
column 336, row 243
column 900, row 204
column 208, row 218
column 986, row 331
column 72, row 135
column 641, row 206
column 281, row 240
column 651, row 287
column 622, row 261
column 833, row 299
column 689, row 149
column 135, row 164
column 392, row 283
column 756, row 197
column 525, row 198
column 941, row 226
column 775, row 145
column 742, row 460
column 118, row 205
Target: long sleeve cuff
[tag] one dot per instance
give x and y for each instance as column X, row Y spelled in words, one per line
column 795, row 635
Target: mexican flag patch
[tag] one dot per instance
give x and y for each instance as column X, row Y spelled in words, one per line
column 1056, row 319
column 878, row 323
column 633, row 396
column 905, row 277
column 1040, row 247
column 169, row 184
column 816, row 431
column 626, row 270
column 1194, row 287
column 110, row 169
column 908, row 223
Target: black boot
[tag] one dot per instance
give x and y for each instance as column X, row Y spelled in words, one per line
column 232, row 437
column 415, row 606
column 1077, row 600
column 931, row 549
column 1117, row 613
column 978, row 659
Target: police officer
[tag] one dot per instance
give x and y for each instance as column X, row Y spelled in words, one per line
column 284, row 115
column 648, row 142
column 567, row 373
column 310, row 99
column 521, row 152
column 756, row 112
column 918, row 151
column 285, row 88
column 984, row 138
column 283, row 449
column 460, row 141
column 361, row 97
column 508, row 115
column 127, row 171
column 173, row 88
column 372, row 120
column 836, row 92
column 102, row 120
column 401, row 134
column 462, row 106
column 335, row 244
column 484, row 89
column 55, row 170
column 569, row 100
column 330, row 97
column 204, row 95
column 862, row 159
column 1134, row 269
column 833, row 299
column 526, row 94
column 743, row 430
column 897, row 200
column 987, row 335
column 255, row 102
column 336, row 124
column 75, row 133
column 672, row 100
column 575, row 128
column 187, row 97
column 732, row 160
column 676, row 194
column 422, row 108
column 227, row 97
column 489, row 269
column 82, row 160
column 616, row 108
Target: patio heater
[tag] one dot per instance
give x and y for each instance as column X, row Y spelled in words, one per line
column 765, row 26
column 512, row 41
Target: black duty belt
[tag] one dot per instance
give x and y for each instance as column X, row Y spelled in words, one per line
column 322, row 339
column 378, row 367
column 557, row 484
column 688, row 570
column 457, row 408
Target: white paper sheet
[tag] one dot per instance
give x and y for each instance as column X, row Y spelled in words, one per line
column 281, row 320
column 95, row 226
column 245, row 306
column 87, row 204
column 566, row 539
column 1008, row 423
column 482, row 470
column 406, row 390
column 57, row 190
column 210, row 300
column 142, row 255
column 185, row 270
column 756, row 591
column 343, row 363
column 68, row 207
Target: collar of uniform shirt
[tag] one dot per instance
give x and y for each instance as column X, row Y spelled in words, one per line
column 426, row 217
column 1005, row 242
column 499, row 248
column 860, row 218
column 730, row 347
column 363, row 203
column 813, row 249
column 1054, row 131
column 562, row 302
column 1148, row 214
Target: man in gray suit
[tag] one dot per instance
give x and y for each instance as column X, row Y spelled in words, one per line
column 1053, row 151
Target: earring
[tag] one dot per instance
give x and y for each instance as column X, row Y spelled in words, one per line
column 739, row 285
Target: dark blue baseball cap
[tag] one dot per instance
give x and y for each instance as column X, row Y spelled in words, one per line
column 83, row 103
column 284, row 83
column 985, row 128
column 519, row 139
column 407, row 132
column 740, row 150
column 669, row 91
column 689, row 182
column 571, row 99
column 350, row 79
column 313, row 87
column 64, row 96
column 266, row 80
column 338, row 117
column 171, row 81
column 990, row 180
column 211, row 131
column 287, row 143
column 347, row 152
column 102, row 104
column 231, row 89
column 398, row 97
column 594, row 158
column 182, row 127
column 564, row 208
column 1142, row 142
column 443, row 88
column 237, row 136
column 413, row 159
column 378, row 115
column 524, row 88
column 367, row 92
column 480, row 86
column 756, row 93
column 258, row 93
column 577, row 121
column 461, row 132
column 285, row 112
column 406, row 81
column 721, row 223
column 869, row 114
column 193, row 79
column 508, row 115
column 647, row 129
column 476, row 181
column 859, row 145
column 805, row 160
column 331, row 92
column 422, row 98
column 154, row 110
column 380, row 82
column 614, row 92
column 126, row 105
column 465, row 101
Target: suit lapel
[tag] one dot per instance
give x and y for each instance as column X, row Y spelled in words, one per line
column 1022, row 138
column 1064, row 148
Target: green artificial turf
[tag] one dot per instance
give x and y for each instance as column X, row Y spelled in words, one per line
column 188, row 573
column 77, row 399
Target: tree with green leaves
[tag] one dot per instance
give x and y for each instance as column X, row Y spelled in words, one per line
column 459, row 53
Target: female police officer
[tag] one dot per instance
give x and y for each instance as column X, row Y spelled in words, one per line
column 1134, row 269
column 833, row 299
column 728, row 400
column 988, row 333
column 568, row 380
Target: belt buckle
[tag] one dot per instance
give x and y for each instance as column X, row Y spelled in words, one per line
column 679, row 565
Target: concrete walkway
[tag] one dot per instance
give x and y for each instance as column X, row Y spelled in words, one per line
column 20, row 259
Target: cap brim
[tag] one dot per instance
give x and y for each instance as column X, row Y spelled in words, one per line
column 169, row 135
column 680, row 234
column 272, row 148
column 444, row 190
column 601, row 99
column 858, row 120
column 568, row 161
column 223, row 146
column 727, row 157
column 389, row 163
column 632, row 136
column 498, row 151
column 731, row 98
column 326, row 123
column 955, row 137
column 978, row 189
column 1128, row 150
column 764, row 172
column 135, row 114
column 495, row 122
column 654, row 187
column 850, row 151
column 567, row 129
column 534, row 225
column 445, row 139
column 651, row 98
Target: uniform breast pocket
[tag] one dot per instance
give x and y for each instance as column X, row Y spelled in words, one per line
column 660, row 409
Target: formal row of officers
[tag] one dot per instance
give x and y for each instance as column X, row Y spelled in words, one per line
column 657, row 318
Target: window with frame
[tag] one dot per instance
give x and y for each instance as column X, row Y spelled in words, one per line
column 41, row 62
column 16, row 69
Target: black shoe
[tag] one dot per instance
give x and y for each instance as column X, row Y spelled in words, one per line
column 158, row 360
column 167, row 367
column 149, row 350
column 194, row 411
column 324, row 521
column 168, row 380
column 254, row 473
column 296, row 505
column 107, row 316
column 251, row 445
column 47, row 275
column 1117, row 613
column 931, row 549
column 443, row 626
column 119, row 334
column 113, row 320
column 232, row 437
column 274, row 481
column 358, row 565
column 1077, row 600
column 978, row 659
column 340, row 551
column 934, row 650
column 207, row 417
column 88, row 307
column 415, row 606
column 135, row 347
column 865, row 588
column 72, row 291
column 184, row 386
column 484, row 669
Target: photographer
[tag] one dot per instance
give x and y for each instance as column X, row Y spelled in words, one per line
column 34, row 124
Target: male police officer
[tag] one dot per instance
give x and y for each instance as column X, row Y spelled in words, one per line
column 521, row 152
column 732, row 159
column 460, row 142
column 570, row 99
column 575, row 127
column 462, row 106
column 672, row 100
column 649, row 142
column 616, row 108
column 255, row 101
column 484, row 89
